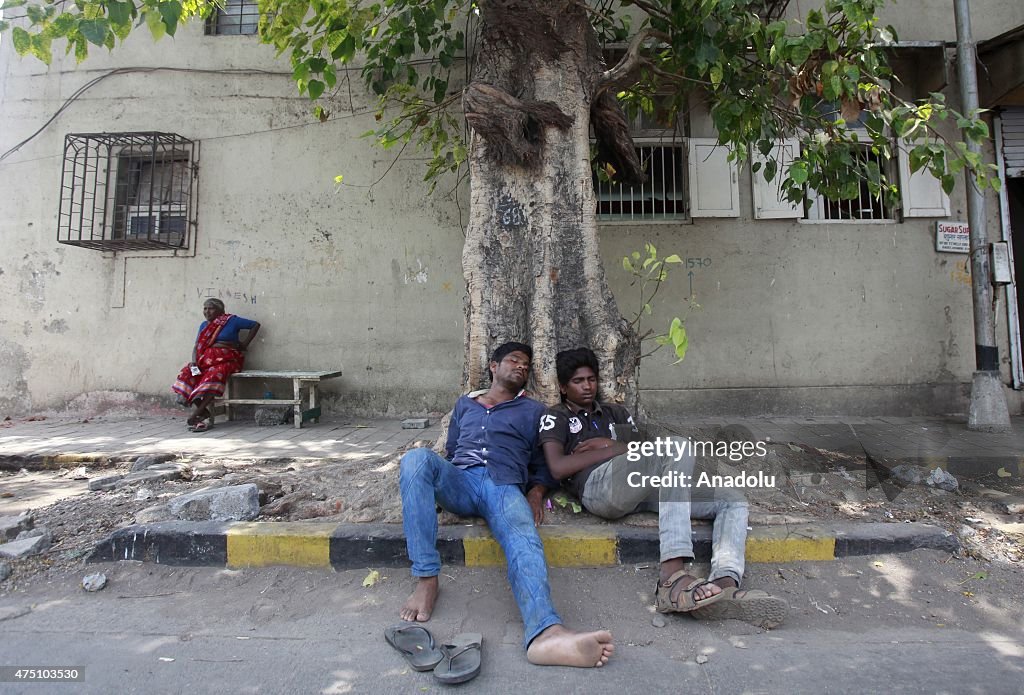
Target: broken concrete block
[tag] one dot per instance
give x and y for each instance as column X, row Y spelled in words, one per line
column 5, row 571
column 11, row 526
column 908, row 474
column 94, row 582
column 153, row 474
column 25, row 547
column 1005, row 502
column 144, row 462
column 942, row 480
column 158, row 512
column 107, row 482
column 416, row 423
column 233, row 503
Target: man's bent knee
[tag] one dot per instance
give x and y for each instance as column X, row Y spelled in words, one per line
column 414, row 463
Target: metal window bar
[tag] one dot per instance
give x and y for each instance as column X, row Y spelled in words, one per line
column 864, row 207
column 237, row 17
column 660, row 197
column 127, row 191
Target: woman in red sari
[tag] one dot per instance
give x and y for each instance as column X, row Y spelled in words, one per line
column 218, row 353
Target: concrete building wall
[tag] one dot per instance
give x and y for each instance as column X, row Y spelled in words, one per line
column 797, row 317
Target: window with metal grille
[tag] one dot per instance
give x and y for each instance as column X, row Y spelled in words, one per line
column 863, row 208
column 661, row 196
column 127, row 191
column 236, row 17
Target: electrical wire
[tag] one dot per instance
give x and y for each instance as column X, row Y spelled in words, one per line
column 224, row 71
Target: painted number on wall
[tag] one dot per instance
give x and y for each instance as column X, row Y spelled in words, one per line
column 698, row 263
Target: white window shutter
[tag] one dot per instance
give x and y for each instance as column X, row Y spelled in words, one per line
column 769, row 203
column 921, row 193
column 714, row 182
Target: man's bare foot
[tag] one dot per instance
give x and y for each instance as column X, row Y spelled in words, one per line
column 558, row 646
column 420, row 603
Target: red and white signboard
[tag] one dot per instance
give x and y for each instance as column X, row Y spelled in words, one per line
column 952, row 237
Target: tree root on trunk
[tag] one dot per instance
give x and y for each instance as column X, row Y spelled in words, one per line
column 513, row 129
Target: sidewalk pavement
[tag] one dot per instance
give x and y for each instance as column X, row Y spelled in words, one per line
column 63, row 442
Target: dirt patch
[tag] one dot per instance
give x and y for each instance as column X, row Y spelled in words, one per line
column 810, row 485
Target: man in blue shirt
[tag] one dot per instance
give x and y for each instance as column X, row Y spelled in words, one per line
column 491, row 456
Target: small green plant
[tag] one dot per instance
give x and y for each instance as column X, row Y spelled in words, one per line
column 649, row 271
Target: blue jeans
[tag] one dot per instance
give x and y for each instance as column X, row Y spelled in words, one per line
column 426, row 478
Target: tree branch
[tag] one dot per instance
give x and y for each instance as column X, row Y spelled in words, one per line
column 614, row 141
column 624, row 74
column 653, row 10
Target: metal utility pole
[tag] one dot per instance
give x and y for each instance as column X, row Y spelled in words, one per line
column 988, row 411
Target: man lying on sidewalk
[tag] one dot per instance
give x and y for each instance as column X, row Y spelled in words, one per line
column 584, row 448
column 492, row 453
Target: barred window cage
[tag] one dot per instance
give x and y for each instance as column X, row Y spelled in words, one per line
column 661, row 197
column 127, row 191
column 234, row 18
column 865, row 207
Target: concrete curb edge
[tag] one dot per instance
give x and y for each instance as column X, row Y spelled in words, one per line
column 352, row 546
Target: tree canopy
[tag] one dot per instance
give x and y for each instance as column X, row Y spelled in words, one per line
column 763, row 77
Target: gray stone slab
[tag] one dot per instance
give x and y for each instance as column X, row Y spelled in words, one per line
column 231, row 503
column 25, row 547
column 153, row 474
column 11, row 526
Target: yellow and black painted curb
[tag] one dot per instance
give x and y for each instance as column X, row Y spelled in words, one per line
column 350, row 546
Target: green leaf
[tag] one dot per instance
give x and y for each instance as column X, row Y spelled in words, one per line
column 155, row 23
column 716, row 75
column 119, row 13
column 170, row 12
column 81, row 49
column 798, row 172
column 345, row 50
column 626, row 265
column 674, row 258
column 22, row 41
column 94, row 30
column 330, row 77
column 316, row 88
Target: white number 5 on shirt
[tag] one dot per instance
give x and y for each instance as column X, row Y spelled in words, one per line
column 547, row 422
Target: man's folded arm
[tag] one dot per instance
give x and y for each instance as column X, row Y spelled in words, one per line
column 564, row 465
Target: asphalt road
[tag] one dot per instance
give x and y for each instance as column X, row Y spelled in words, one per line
column 914, row 623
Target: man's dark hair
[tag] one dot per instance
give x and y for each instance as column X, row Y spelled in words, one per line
column 506, row 348
column 568, row 361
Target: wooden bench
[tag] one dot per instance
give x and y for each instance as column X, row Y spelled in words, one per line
column 309, row 380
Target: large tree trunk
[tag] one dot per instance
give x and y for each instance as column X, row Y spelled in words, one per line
column 531, row 259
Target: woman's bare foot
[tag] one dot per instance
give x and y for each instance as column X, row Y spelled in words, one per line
column 558, row 646
column 420, row 603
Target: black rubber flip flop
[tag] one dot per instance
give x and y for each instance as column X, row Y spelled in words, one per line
column 462, row 656
column 416, row 644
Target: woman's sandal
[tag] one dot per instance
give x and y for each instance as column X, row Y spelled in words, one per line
column 685, row 601
column 200, row 427
column 749, row 605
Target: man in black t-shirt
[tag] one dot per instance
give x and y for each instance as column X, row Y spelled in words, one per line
column 585, row 444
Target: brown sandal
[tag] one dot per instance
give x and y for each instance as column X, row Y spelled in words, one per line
column 749, row 605
column 685, row 600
